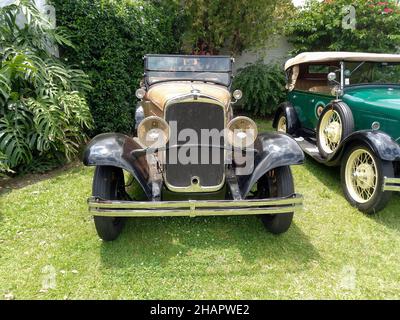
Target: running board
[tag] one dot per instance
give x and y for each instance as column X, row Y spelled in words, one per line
column 391, row 184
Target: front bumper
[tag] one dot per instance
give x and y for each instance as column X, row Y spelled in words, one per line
column 193, row 208
column 391, row 184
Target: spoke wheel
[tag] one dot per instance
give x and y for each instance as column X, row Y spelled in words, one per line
column 282, row 124
column 362, row 175
column 330, row 133
column 335, row 124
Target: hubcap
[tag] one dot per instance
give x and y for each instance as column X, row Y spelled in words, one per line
column 361, row 175
column 330, row 131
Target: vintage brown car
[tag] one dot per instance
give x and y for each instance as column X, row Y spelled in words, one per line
column 191, row 156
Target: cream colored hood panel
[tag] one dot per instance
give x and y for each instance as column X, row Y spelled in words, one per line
column 159, row 94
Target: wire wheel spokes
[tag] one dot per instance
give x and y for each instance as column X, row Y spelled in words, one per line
column 331, row 131
column 361, row 175
column 282, row 124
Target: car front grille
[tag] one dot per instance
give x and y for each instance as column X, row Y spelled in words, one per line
column 205, row 172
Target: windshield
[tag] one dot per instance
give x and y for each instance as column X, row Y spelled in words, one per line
column 373, row 72
column 215, row 69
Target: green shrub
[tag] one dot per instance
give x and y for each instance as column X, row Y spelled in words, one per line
column 263, row 87
column 43, row 112
column 111, row 38
column 319, row 26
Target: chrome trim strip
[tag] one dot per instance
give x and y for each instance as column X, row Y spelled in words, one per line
column 391, row 184
column 192, row 97
column 114, row 208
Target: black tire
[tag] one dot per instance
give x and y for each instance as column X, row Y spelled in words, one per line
column 108, row 184
column 379, row 198
column 347, row 121
column 276, row 183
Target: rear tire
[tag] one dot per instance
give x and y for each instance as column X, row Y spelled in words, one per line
column 108, row 184
column 276, row 183
column 281, row 125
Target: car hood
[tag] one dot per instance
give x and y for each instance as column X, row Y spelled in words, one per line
column 385, row 96
column 160, row 93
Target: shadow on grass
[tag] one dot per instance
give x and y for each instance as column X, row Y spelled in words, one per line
column 390, row 216
column 18, row 182
column 330, row 177
column 154, row 241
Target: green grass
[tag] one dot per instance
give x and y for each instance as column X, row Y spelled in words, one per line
column 47, row 224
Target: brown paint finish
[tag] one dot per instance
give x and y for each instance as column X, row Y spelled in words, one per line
column 159, row 94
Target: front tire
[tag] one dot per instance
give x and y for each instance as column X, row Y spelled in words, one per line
column 362, row 177
column 276, row 183
column 108, row 184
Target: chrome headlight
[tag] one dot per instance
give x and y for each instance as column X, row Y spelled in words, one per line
column 153, row 132
column 140, row 93
column 237, row 94
column 242, row 132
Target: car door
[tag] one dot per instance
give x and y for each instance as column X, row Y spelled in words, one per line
column 311, row 94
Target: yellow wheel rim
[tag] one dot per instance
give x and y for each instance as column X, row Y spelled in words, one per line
column 281, row 127
column 330, row 131
column 361, row 175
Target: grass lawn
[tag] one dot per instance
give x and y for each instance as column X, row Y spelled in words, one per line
column 331, row 251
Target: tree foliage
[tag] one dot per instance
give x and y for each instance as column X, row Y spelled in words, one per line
column 43, row 111
column 111, row 38
column 330, row 26
column 263, row 87
column 235, row 24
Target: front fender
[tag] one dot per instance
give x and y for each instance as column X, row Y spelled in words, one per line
column 115, row 149
column 273, row 150
column 379, row 142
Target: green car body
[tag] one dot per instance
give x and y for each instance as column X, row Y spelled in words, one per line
column 369, row 104
column 343, row 108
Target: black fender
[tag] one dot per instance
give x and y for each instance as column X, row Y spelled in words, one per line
column 379, row 142
column 293, row 123
column 273, row 150
column 115, row 149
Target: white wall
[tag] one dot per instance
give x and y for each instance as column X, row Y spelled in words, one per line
column 275, row 52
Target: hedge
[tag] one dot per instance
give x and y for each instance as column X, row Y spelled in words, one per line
column 111, row 38
column 263, row 87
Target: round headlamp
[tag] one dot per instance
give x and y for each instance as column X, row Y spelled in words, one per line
column 237, row 94
column 242, row 132
column 140, row 93
column 153, row 132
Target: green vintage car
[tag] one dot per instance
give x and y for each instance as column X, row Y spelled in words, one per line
column 343, row 109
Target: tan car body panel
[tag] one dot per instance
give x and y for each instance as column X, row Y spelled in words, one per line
column 159, row 94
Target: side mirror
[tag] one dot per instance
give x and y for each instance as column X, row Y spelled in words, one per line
column 331, row 76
